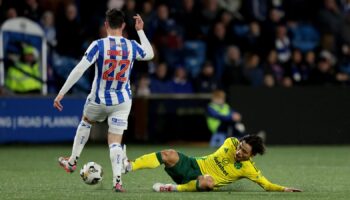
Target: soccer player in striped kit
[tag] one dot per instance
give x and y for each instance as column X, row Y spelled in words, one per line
column 110, row 96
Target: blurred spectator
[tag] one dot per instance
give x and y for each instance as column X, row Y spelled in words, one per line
column 282, row 44
column 328, row 43
column 233, row 70
column 310, row 60
column 180, row 83
column 24, row 76
column 222, row 119
column 345, row 5
column 227, row 19
column 208, row 14
column 206, row 81
column 162, row 26
column 69, row 33
column 273, row 70
column 129, row 12
column 345, row 29
column 32, row 10
column 298, row 71
column 269, row 28
column 216, row 46
column 233, row 6
column 11, row 13
column 118, row 4
column 255, row 10
column 344, row 64
column 159, row 81
column 269, row 81
column 252, row 71
column 142, row 88
column 48, row 24
column 323, row 74
column 188, row 18
column 253, row 41
column 148, row 15
column 330, row 18
column 164, row 33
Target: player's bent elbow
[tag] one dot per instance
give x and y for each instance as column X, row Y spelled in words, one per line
column 150, row 56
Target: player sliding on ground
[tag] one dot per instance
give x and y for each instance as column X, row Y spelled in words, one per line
column 231, row 162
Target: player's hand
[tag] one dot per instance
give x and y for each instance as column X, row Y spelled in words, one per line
column 236, row 117
column 57, row 102
column 138, row 22
column 292, row 190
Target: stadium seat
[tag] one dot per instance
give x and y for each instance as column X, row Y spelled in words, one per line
column 194, row 56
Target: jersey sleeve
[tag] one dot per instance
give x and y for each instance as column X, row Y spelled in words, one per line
column 91, row 53
column 255, row 175
column 143, row 51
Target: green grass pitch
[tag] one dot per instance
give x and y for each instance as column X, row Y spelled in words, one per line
column 32, row 172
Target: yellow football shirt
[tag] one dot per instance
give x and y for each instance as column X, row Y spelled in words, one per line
column 222, row 166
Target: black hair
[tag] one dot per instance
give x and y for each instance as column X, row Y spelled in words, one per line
column 256, row 143
column 115, row 18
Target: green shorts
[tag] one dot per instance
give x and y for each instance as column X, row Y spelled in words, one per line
column 185, row 170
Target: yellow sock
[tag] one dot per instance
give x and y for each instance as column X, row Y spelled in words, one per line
column 188, row 187
column 148, row 161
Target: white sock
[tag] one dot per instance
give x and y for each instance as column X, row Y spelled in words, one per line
column 80, row 139
column 116, row 155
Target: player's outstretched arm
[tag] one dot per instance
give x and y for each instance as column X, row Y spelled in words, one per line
column 291, row 190
column 145, row 44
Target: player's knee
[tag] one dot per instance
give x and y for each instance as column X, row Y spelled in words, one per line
column 169, row 157
column 206, row 183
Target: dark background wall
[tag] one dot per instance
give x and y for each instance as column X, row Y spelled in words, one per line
column 296, row 115
column 288, row 116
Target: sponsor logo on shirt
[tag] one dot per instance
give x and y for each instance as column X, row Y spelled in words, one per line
column 221, row 166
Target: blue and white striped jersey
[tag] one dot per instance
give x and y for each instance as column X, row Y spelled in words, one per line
column 113, row 58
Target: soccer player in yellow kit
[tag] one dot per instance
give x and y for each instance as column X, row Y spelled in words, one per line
column 231, row 162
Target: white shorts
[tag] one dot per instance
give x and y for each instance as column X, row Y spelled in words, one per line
column 117, row 115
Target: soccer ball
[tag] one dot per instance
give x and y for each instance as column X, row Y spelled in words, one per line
column 91, row 173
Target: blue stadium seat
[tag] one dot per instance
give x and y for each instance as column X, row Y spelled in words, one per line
column 194, row 56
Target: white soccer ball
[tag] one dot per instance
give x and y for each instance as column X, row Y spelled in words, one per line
column 91, row 173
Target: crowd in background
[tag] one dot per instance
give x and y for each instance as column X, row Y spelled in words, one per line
column 202, row 45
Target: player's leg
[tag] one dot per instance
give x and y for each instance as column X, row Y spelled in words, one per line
column 183, row 170
column 203, row 183
column 149, row 161
column 116, row 155
column 117, row 123
column 92, row 112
